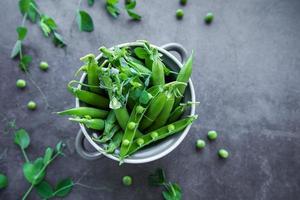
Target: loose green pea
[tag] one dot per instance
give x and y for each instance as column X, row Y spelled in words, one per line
column 179, row 14
column 44, row 66
column 126, row 142
column 209, row 18
column 223, row 153
column 212, row 135
column 154, row 135
column 3, row 181
column 183, row 2
column 21, row 83
column 140, row 109
column 127, row 180
column 140, row 141
column 131, row 125
column 171, row 127
column 200, row 144
column 31, row 105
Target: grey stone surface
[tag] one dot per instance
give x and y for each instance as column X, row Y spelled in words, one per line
column 246, row 75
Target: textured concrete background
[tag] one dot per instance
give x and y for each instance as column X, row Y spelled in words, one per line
column 246, row 75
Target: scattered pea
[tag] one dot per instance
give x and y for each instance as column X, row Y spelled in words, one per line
column 21, row 83
column 31, row 105
column 171, row 127
column 140, row 141
column 200, row 144
column 179, row 14
column 212, row 135
column 209, row 18
column 126, row 142
column 44, row 66
column 127, row 180
column 154, row 135
column 223, row 153
column 183, row 2
column 131, row 125
column 3, row 181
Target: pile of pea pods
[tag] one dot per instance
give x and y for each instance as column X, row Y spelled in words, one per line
column 130, row 99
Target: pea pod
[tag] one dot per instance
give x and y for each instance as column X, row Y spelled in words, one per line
column 138, row 67
column 160, row 133
column 164, row 114
column 97, row 124
column 114, row 143
column 85, row 111
column 178, row 111
column 131, row 128
column 91, row 69
column 155, row 107
column 90, row 98
column 106, row 136
column 184, row 76
column 158, row 75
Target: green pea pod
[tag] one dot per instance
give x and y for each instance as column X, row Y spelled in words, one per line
column 110, row 122
column 158, row 75
column 161, row 133
column 184, row 76
column 91, row 69
column 97, row 124
column 90, row 98
column 85, row 111
column 179, row 110
column 108, row 135
column 131, row 129
column 164, row 114
column 138, row 67
column 114, row 143
column 155, row 107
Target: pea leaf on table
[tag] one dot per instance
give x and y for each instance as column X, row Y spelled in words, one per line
column 84, row 21
column 58, row 40
column 28, row 6
column 173, row 192
column 130, row 10
column 34, row 172
column 157, row 178
column 24, row 62
column 44, row 190
column 3, row 181
column 22, row 32
column 59, row 147
column 112, row 7
column 64, row 187
column 22, row 138
column 16, row 49
column 48, row 155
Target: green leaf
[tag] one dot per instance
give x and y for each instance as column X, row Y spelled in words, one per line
column 58, row 40
column 48, row 155
column 90, row 2
column 24, row 6
column 113, row 10
column 3, row 181
column 84, row 21
column 22, row 32
column 173, row 192
column 49, row 22
column 157, row 178
column 44, row 190
column 134, row 15
column 64, row 187
column 17, row 48
column 28, row 6
column 140, row 52
column 34, row 172
column 24, row 62
column 131, row 5
column 112, row 2
column 22, row 138
column 45, row 28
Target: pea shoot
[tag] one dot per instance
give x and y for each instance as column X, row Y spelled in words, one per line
column 127, row 180
column 179, row 14
column 21, row 83
column 209, row 18
column 31, row 105
column 200, row 144
column 44, row 66
column 3, row 181
column 212, row 135
column 223, row 153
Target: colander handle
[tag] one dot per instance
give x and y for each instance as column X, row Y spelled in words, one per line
column 79, row 146
column 177, row 48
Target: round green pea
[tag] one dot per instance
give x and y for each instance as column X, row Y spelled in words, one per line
column 212, row 135
column 140, row 141
column 183, row 2
column 154, row 135
column 44, row 66
column 209, row 18
column 21, row 83
column 200, row 144
column 171, row 127
column 127, row 180
column 3, row 181
column 31, row 105
column 223, row 153
column 179, row 13
column 140, row 109
column 131, row 125
column 126, row 142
